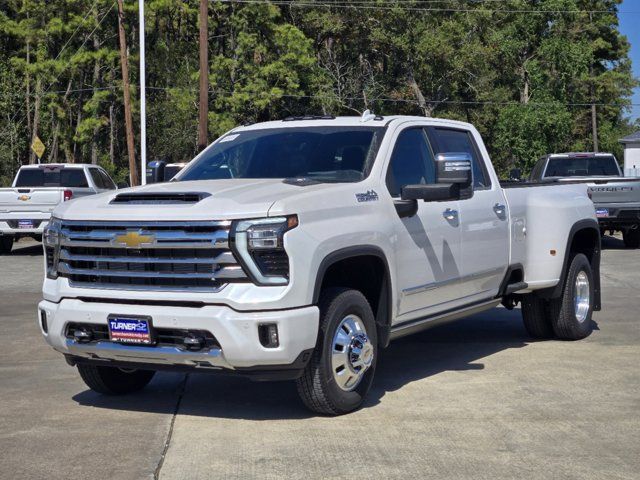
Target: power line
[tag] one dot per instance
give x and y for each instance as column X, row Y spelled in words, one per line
column 370, row 6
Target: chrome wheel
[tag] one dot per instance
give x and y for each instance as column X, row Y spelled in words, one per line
column 351, row 353
column 581, row 296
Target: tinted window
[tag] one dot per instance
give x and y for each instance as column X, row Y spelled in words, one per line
column 582, row 167
column 106, row 180
column 455, row 141
column 97, row 179
column 52, row 177
column 326, row 154
column 411, row 161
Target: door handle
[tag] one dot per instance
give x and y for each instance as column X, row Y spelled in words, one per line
column 500, row 210
column 450, row 214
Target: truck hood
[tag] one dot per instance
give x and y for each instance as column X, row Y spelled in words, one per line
column 219, row 200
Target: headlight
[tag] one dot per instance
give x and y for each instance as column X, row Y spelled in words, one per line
column 259, row 245
column 51, row 241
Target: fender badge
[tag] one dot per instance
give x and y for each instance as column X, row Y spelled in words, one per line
column 368, row 196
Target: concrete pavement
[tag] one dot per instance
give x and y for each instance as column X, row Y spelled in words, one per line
column 474, row 399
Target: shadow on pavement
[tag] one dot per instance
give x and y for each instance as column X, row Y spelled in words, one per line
column 26, row 249
column 452, row 347
column 612, row 243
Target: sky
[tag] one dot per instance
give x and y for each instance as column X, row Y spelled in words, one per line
column 630, row 26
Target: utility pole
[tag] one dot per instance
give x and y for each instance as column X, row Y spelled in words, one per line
column 124, row 63
column 143, row 96
column 594, row 127
column 203, row 112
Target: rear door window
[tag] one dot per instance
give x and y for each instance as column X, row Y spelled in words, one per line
column 52, row 177
column 106, row 179
column 97, row 179
column 449, row 140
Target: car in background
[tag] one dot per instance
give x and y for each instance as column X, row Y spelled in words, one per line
column 26, row 207
column 159, row 171
column 616, row 198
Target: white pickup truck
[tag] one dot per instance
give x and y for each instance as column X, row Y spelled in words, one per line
column 26, row 207
column 297, row 249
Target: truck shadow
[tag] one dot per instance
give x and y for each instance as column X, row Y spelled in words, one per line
column 612, row 243
column 452, row 347
column 26, row 248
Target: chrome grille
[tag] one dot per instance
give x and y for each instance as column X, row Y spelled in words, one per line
column 148, row 255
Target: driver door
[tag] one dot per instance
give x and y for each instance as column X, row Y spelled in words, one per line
column 428, row 244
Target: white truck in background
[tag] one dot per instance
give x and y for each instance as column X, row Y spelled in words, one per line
column 26, row 207
column 298, row 249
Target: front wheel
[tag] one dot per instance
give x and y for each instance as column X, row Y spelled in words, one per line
column 631, row 237
column 570, row 314
column 341, row 369
column 113, row 380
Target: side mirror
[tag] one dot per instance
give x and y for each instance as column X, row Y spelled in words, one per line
column 123, row 185
column 454, row 168
column 515, row 175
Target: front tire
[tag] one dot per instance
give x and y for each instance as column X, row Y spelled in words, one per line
column 6, row 244
column 571, row 313
column 113, row 380
column 631, row 237
column 340, row 372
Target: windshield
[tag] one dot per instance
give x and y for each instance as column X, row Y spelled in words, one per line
column 582, row 167
column 52, row 177
column 324, row 154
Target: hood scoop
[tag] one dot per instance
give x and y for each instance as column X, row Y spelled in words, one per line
column 159, row 198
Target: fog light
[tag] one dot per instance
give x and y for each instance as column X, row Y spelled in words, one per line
column 268, row 334
column 82, row 336
column 193, row 342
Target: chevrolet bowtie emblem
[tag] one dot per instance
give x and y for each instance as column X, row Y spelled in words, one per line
column 133, row 240
column 24, row 198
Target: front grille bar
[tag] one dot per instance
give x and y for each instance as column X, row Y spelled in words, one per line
column 225, row 272
column 223, row 258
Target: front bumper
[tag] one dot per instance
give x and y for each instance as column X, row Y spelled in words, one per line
column 236, row 333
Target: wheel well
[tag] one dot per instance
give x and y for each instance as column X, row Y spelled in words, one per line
column 586, row 241
column 368, row 274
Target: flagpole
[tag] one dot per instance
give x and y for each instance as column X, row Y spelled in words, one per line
column 143, row 99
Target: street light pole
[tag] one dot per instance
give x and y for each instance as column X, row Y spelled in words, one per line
column 143, row 99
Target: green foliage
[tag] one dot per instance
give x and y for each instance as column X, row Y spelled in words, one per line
column 526, row 80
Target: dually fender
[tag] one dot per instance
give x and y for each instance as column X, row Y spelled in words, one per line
column 584, row 224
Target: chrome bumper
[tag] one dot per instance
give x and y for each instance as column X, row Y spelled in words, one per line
column 161, row 355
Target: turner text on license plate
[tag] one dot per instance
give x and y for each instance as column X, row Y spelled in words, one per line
column 130, row 330
column 602, row 212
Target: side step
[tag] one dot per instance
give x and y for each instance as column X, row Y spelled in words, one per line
column 515, row 287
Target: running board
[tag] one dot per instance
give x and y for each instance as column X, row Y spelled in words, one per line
column 515, row 287
column 413, row 326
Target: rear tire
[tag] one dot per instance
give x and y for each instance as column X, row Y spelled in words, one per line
column 535, row 317
column 114, row 381
column 6, row 244
column 341, row 369
column 571, row 313
column 631, row 237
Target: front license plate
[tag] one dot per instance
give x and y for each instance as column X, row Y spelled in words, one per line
column 130, row 330
column 602, row 212
column 25, row 223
